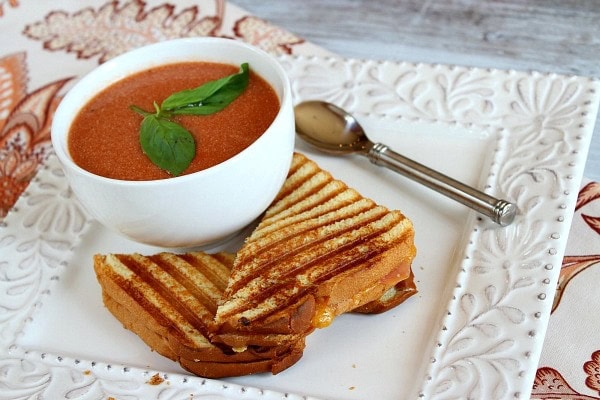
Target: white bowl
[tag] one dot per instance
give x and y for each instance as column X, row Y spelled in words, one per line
column 201, row 208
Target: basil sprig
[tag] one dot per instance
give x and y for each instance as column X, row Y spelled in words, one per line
column 169, row 145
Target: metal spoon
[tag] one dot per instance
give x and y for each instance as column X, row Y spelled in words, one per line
column 333, row 130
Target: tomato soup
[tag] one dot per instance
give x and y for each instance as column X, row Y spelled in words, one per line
column 104, row 137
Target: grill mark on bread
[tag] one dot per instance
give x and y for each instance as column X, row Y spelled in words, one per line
column 198, row 286
column 346, row 204
column 334, row 190
column 139, row 292
column 300, row 172
column 167, row 286
column 362, row 255
column 307, row 188
column 304, row 267
column 226, row 259
column 151, row 300
column 216, row 268
column 263, row 254
column 334, row 244
column 300, row 224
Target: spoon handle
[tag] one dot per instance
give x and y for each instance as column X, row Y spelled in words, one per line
column 501, row 212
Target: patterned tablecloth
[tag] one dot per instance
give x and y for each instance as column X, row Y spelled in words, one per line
column 45, row 46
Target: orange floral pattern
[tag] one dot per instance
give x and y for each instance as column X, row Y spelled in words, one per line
column 24, row 127
column 549, row 384
column 573, row 265
column 266, row 36
column 10, row 3
column 589, row 193
column 116, row 27
column 13, row 81
column 592, row 369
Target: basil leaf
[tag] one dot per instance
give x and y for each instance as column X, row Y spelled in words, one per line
column 168, row 145
column 210, row 97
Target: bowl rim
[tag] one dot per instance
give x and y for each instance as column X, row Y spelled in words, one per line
column 65, row 158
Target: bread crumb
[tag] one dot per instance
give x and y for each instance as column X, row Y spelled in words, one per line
column 155, row 380
column 352, row 388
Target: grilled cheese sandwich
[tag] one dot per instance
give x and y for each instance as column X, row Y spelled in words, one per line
column 320, row 250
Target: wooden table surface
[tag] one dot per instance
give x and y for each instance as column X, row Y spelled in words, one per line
column 560, row 36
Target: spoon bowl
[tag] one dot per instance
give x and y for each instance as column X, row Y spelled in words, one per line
column 330, row 128
column 333, row 130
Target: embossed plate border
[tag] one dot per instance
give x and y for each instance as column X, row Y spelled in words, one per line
column 506, row 276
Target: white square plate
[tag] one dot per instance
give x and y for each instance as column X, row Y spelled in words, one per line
column 476, row 327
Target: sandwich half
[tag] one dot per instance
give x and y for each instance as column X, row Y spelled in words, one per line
column 169, row 300
column 321, row 249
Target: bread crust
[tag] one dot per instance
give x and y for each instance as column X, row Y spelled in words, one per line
column 273, row 365
column 207, row 365
column 391, row 298
column 154, row 340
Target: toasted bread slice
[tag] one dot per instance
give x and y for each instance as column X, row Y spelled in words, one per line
column 170, row 300
column 321, row 250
